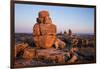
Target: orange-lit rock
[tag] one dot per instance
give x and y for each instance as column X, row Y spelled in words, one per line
column 19, row 48
column 73, row 59
column 24, row 51
column 59, row 44
column 44, row 32
column 43, row 14
column 51, row 54
column 29, row 54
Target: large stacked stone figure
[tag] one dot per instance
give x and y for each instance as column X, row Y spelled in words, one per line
column 44, row 32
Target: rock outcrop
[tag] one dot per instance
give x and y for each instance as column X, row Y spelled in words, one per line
column 24, row 51
column 44, row 32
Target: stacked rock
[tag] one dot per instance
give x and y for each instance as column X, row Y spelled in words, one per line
column 69, row 32
column 44, row 32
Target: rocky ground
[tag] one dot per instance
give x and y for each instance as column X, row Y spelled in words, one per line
column 85, row 55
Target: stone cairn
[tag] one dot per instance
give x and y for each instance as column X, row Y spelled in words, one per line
column 44, row 32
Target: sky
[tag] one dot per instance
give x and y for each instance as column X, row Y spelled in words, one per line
column 78, row 19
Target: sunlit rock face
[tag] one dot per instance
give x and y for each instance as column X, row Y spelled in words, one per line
column 19, row 49
column 44, row 32
column 24, row 51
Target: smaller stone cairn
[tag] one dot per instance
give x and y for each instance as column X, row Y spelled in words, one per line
column 69, row 32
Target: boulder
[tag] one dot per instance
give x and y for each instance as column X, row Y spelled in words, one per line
column 29, row 53
column 19, row 48
column 59, row 44
column 51, row 54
